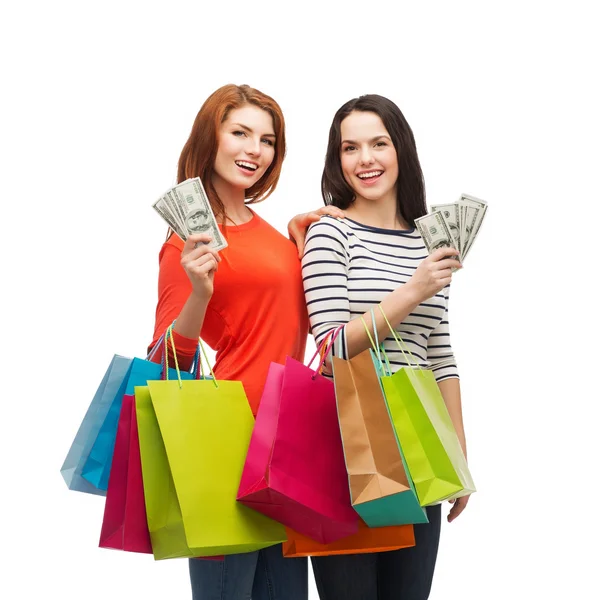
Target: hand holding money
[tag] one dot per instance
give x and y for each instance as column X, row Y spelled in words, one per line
column 187, row 211
column 434, row 273
column 454, row 225
column 200, row 262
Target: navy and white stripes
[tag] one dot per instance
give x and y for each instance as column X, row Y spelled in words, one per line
column 348, row 268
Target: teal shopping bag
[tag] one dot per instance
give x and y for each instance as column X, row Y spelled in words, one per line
column 96, row 468
column 110, row 387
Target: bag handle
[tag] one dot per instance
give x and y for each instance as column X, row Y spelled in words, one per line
column 155, row 348
column 329, row 340
column 377, row 347
column 401, row 343
column 197, row 361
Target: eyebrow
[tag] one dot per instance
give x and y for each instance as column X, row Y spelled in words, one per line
column 246, row 128
column 377, row 137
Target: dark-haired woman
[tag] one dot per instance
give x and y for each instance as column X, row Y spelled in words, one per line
column 375, row 256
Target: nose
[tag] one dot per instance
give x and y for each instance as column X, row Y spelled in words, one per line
column 253, row 147
column 366, row 158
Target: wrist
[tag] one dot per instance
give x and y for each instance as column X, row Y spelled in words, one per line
column 410, row 293
column 200, row 298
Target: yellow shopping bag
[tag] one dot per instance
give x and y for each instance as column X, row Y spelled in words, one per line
column 194, row 436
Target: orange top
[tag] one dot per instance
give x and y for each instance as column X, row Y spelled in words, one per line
column 257, row 314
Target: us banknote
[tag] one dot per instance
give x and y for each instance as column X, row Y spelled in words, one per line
column 187, row 211
column 463, row 219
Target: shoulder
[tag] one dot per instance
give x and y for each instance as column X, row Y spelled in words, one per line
column 326, row 226
column 270, row 236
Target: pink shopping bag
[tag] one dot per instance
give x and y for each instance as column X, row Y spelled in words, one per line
column 295, row 471
column 124, row 526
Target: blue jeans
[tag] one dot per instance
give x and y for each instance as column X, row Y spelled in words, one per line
column 261, row 575
column 404, row 574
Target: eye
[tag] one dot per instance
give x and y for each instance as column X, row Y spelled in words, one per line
column 349, row 148
column 380, row 144
column 268, row 141
column 238, row 133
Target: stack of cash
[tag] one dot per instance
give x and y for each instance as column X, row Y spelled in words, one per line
column 187, row 211
column 454, row 225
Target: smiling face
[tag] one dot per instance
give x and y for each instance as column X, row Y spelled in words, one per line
column 246, row 147
column 368, row 157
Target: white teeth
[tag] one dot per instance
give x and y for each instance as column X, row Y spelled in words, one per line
column 369, row 174
column 243, row 163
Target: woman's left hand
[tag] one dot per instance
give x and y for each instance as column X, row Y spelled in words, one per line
column 458, row 505
column 300, row 223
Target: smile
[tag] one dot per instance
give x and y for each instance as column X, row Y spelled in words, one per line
column 369, row 176
column 246, row 165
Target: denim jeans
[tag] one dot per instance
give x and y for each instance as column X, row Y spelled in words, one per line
column 404, row 574
column 261, row 575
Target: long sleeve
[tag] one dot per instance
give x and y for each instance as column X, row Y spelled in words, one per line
column 439, row 348
column 325, row 279
column 348, row 268
column 174, row 288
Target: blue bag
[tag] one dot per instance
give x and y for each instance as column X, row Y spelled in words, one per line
column 97, row 466
column 87, row 465
column 90, row 426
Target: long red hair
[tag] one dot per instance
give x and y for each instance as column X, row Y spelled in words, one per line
column 197, row 158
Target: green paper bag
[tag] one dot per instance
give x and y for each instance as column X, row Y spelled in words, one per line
column 194, row 435
column 429, row 442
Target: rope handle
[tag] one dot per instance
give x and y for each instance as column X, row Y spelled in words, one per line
column 196, row 362
column 328, row 341
column 400, row 342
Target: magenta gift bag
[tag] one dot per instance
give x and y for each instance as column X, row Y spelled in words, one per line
column 124, row 526
column 295, row 471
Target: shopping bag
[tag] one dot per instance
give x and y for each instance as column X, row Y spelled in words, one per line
column 194, row 437
column 294, row 470
column 432, row 450
column 381, row 490
column 110, row 387
column 124, row 526
column 376, row 539
column 96, row 468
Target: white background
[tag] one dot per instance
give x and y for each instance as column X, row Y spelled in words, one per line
column 98, row 100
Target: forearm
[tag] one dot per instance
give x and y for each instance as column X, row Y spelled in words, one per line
column 191, row 318
column 450, row 389
column 397, row 305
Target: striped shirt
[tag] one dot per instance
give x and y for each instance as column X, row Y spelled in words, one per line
column 348, row 268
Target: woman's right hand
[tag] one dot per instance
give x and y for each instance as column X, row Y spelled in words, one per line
column 200, row 263
column 434, row 273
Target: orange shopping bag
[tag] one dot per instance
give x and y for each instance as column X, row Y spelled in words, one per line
column 368, row 539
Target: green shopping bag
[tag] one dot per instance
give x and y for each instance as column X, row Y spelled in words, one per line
column 194, row 435
column 433, row 453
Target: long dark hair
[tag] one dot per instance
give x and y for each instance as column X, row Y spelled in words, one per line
column 410, row 186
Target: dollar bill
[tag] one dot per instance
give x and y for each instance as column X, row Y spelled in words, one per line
column 464, row 218
column 177, row 213
column 480, row 208
column 451, row 213
column 162, row 209
column 187, row 211
column 435, row 231
column 469, row 214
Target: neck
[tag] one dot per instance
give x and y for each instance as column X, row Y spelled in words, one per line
column 381, row 213
column 233, row 200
